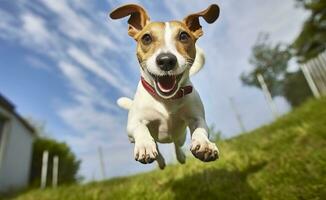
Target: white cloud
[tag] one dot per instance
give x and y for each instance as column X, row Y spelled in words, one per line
column 7, row 31
column 35, row 27
column 84, row 92
column 87, row 119
column 91, row 65
column 37, row 63
column 77, row 26
column 77, row 78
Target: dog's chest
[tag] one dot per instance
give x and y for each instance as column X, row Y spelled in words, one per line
column 166, row 124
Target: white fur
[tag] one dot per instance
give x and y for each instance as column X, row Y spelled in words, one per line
column 152, row 120
column 172, row 118
column 169, row 46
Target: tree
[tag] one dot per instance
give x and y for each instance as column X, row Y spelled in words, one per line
column 68, row 164
column 272, row 62
column 269, row 60
column 296, row 89
column 311, row 41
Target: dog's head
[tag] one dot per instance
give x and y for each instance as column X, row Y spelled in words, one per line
column 165, row 50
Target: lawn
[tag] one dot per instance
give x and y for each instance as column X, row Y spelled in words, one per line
column 283, row 160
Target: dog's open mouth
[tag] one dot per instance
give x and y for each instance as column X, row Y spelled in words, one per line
column 166, row 85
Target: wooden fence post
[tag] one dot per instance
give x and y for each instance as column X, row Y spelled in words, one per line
column 310, row 81
column 55, row 170
column 268, row 95
column 237, row 115
column 44, row 171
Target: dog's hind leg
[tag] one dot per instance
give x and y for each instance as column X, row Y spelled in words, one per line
column 181, row 157
column 160, row 160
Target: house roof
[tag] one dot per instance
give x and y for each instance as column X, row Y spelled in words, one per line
column 10, row 107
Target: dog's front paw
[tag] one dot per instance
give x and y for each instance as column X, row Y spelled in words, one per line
column 145, row 151
column 204, row 150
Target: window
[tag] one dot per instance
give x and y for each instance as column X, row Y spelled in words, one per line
column 2, row 125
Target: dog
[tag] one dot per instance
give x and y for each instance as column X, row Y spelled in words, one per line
column 166, row 103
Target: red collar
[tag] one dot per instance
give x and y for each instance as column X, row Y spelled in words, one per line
column 183, row 91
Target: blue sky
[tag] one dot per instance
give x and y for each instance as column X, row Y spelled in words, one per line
column 65, row 63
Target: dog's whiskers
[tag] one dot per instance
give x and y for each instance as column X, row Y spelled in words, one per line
column 143, row 65
column 189, row 62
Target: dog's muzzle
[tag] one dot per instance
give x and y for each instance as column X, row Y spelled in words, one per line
column 181, row 92
column 166, row 61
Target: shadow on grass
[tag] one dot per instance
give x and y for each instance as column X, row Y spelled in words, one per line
column 218, row 184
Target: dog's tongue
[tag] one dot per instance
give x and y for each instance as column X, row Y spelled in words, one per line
column 166, row 83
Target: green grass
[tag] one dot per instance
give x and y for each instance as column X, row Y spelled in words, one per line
column 284, row 160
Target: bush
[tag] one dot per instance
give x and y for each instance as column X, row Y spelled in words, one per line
column 68, row 164
column 296, row 89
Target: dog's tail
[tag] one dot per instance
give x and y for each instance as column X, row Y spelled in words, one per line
column 199, row 61
column 125, row 102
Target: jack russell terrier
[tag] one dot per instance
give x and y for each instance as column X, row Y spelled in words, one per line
column 165, row 103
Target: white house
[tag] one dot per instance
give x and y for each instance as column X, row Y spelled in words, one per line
column 16, row 143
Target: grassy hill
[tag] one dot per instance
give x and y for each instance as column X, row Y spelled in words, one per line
column 284, row 160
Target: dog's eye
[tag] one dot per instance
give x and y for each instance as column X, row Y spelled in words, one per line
column 146, row 39
column 183, row 37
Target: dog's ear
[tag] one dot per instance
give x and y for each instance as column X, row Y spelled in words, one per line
column 192, row 20
column 138, row 17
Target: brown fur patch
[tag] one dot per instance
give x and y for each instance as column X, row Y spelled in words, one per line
column 156, row 31
column 186, row 49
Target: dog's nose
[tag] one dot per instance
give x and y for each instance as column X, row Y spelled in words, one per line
column 166, row 61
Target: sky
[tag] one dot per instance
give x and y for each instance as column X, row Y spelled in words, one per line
column 64, row 63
